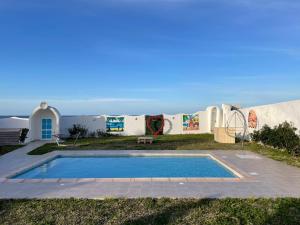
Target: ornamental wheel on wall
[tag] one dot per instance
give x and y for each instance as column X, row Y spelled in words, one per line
column 236, row 125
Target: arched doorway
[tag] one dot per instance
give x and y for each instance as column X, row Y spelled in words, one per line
column 44, row 123
column 214, row 118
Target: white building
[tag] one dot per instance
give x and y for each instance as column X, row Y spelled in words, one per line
column 45, row 121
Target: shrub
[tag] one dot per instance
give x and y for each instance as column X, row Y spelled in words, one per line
column 78, row 129
column 101, row 133
column 255, row 136
column 267, row 135
column 283, row 136
column 92, row 134
column 286, row 137
column 23, row 135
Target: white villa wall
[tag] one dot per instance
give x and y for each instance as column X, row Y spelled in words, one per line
column 275, row 114
column 173, row 124
column 176, row 126
column 92, row 123
column 134, row 125
column 272, row 114
column 14, row 122
column 204, row 122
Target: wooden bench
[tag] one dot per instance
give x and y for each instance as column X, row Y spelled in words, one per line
column 145, row 140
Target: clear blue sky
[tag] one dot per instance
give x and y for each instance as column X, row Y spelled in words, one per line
column 147, row 56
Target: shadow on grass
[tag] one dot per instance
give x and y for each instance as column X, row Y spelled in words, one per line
column 287, row 213
column 169, row 214
column 279, row 211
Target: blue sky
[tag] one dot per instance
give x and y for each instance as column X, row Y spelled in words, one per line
column 140, row 56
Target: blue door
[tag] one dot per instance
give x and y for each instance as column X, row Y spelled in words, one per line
column 46, row 129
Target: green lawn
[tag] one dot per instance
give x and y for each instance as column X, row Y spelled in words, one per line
column 8, row 148
column 166, row 142
column 151, row 211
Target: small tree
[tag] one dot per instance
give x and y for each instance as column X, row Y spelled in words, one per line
column 78, row 129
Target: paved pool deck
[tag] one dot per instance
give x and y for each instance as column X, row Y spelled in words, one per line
column 261, row 177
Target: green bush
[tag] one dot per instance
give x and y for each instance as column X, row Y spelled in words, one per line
column 92, row 134
column 101, row 133
column 283, row 136
column 78, row 129
column 255, row 136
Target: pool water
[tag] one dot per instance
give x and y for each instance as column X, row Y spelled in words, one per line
column 128, row 167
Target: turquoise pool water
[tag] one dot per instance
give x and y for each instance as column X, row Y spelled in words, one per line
column 128, row 167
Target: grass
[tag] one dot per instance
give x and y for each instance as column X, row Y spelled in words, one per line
column 276, row 154
column 166, row 142
column 8, row 148
column 151, row 211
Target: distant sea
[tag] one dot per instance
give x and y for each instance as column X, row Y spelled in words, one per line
column 4, row 116
column 7, row 116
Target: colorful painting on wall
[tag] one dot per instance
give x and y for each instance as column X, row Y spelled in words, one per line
column 252, row 119
column 190, row 122
column 114, row 124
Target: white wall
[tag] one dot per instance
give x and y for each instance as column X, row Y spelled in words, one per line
column 177, row 124
column 92, row 123
column 173, row 124
column 134, row 125
column 14, row 122
column 275, row 114
column 272, row 114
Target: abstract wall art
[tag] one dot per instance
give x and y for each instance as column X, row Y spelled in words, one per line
column 190, row 122
column 252, row 119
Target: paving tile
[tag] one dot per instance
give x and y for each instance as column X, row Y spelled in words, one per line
column 83, row 180
column 14, row 180
column 3, row 180
column 68, row 180
column 50, row 180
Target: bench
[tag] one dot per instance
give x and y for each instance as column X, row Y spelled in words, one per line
column 145, row 140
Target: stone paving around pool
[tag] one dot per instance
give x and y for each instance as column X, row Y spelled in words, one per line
column 260, row 177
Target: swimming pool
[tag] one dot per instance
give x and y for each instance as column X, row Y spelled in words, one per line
column 129, row 167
